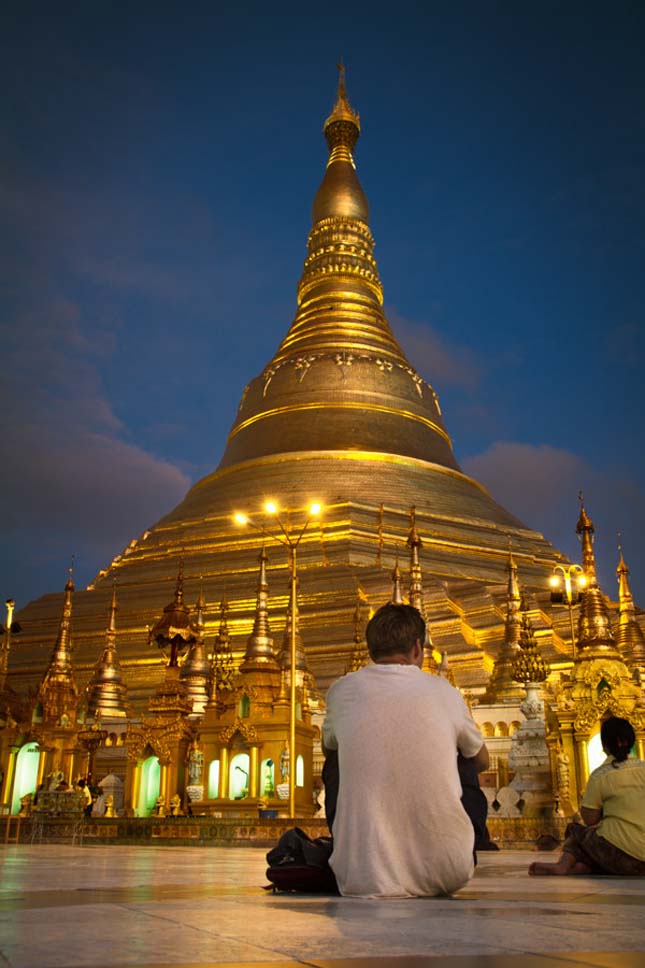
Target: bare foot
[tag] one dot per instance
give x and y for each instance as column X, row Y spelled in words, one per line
column 539, row 868
column 561, row 869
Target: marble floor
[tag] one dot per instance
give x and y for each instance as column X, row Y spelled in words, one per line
column 107, row 907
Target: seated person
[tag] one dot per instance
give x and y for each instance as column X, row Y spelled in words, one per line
column 612, row 841
column 400, row 829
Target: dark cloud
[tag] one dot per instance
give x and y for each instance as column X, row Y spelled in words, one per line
column 439, row 361
column 71, row 478
column 540, row 484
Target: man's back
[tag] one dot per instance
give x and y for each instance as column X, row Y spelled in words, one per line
column 400, row 828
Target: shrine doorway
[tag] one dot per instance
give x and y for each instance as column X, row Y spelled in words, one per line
column 238, row 778
column 150, row 786
column 26, row 775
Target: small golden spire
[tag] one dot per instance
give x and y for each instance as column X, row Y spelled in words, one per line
column 360, row 655
column 502, row 685
column 58, row 693
column 106, row 692
column 585, row 531
column 630, row 638
column 528, row 665
column 285, row 654
column 196, row 670
column 397, row 594
column 259, row 645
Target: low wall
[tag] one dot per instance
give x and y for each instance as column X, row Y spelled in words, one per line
column 512, row 833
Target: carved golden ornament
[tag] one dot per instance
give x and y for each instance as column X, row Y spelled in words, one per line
column 591, row 711
column 595, row 674
column 248, row 732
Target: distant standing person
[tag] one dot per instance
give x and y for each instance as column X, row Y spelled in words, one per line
column 612, row 839
column 400, row 829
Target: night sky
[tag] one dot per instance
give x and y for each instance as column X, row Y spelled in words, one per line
column 158, row 167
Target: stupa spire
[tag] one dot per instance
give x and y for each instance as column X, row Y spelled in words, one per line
column 58, row 693
column 339, row 379
column 585, row 531
column 415, row 596
column 259, row 645
column 107, row 694
column 397, row 592
column 630, row 638
column 285, row 655
column 502, row 685
column 60, row 664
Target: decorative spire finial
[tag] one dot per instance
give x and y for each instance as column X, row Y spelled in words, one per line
column 342, row 112
column 629, row 638
column 585, row 531
column 259, row 645
column 397, row 594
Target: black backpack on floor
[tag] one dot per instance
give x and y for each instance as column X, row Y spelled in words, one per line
column 298, row 863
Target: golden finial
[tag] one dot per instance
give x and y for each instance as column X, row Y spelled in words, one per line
column 585, row 531
column 69, row 587
column 112, row 609
column 342, row 110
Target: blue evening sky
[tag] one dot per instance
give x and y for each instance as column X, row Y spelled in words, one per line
column 158, row 166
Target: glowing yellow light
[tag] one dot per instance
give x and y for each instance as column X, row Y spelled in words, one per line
column 582, row 581
column 241, row 518
column 271, row 507
column 554, row 581
column 315, row 510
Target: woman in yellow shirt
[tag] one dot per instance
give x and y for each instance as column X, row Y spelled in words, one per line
column 612, row 839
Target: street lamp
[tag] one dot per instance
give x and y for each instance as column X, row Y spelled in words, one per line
column 291, row 542
column 568, row 582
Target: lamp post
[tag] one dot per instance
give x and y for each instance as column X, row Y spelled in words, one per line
column 567, row 583
column 291, row 542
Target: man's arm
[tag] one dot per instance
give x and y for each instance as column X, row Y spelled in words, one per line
column 482, row 759
column 590, row 816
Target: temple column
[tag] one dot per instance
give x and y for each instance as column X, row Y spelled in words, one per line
column 163, row 781
column 223, row 773
column 7, row 786
column 135, row 784
column 254, row 771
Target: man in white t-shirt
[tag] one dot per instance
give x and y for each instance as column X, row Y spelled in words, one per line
column 400, row 829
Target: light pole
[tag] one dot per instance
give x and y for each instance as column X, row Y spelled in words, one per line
column 290, row 542
column 567, row 583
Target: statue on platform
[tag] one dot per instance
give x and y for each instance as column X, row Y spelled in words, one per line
column 175, row 806
column 195, row 764
column 54, row 780
column 109, row 806
column 284, row 764
column 160, row 807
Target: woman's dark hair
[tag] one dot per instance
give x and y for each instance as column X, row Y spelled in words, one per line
column 618, row 737
column 393, row 630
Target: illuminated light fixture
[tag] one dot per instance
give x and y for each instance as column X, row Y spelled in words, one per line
column 271, row 507
column 568, row 583
column 240, row 518
column 315, row 510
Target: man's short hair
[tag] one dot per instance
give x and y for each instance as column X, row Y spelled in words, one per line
column 393, row 630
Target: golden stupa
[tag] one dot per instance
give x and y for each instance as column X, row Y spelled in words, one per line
column 339, row 415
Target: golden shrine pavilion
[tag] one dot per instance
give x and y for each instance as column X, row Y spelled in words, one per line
column 339, row 415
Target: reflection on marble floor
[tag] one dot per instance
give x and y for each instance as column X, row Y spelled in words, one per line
column 107, row 907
